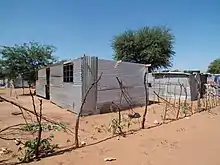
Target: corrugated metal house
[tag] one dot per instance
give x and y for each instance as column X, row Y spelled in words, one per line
column 175, row 84
column 18, row 83
column 66, row 83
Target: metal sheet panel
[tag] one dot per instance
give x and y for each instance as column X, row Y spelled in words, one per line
column 89, row 76
column 40, row 83
column 132, row 78
column 66, row 95
column 169, row 87
column 19, row 83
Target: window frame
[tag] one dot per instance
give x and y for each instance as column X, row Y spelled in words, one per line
column 68, row 69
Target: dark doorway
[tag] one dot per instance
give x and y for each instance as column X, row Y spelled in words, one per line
column 47, row 83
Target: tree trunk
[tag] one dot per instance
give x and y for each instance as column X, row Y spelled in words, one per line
column 22, row 85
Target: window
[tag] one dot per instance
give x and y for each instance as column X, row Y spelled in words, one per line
column 68, row 72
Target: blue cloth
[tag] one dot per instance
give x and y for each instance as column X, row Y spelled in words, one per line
column 217, row 81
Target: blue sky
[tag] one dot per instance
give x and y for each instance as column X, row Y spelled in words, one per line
column 76, row 27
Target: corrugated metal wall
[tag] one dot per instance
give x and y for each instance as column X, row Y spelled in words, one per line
column 89, row 76
column 19, row 84
column 66, row 95
column 108, row 87
column 168, row 86
column 40, row 83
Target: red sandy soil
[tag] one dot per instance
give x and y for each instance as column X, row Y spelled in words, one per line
column 190, row 141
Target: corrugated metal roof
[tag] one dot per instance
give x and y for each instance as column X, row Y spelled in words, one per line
column 55, row 64
column 60, row 62
column 173, row 73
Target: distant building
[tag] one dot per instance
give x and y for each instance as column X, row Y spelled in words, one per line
column 168, row 84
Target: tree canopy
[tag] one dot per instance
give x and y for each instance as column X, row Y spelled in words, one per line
column 2, row 71
column 214, row 67
column 148, row 45
column 25, row 60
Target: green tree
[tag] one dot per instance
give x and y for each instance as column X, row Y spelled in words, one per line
column 214, row 67
column 2, row 71
column 148, row 45
column 25, row 60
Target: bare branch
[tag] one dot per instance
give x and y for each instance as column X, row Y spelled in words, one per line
column 30, row 111
column 80, row 111
column 34, row 106
column 39, row 131
column 146, row 100
column 119, row 120
column 119, row 112
column 185, row 100
column 164, row 100
column 11, row 126
column 125, row 94
column 22, row 113
column 198, row 88
column 179, row 102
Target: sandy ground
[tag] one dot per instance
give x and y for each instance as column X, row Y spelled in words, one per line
column 192, row 140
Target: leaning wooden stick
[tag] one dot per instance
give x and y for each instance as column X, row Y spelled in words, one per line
column 164, row 100
column 146, row 101
column 179, row 102
column 81, row 109
column 125, row 95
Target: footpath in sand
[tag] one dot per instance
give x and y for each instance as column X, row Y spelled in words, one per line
column 190, row 141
